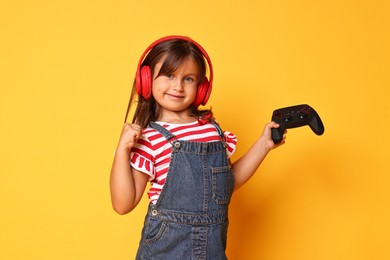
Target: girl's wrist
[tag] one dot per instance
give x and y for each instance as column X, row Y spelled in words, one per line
column 121, row 149
column 264, row 144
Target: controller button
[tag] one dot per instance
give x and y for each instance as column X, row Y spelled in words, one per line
column 302, row 115
column 306, row 109
column 278, row 114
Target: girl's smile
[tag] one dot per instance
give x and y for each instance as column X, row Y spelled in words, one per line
column 175, row 97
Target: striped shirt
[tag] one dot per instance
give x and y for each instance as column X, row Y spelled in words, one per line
column 152, row 152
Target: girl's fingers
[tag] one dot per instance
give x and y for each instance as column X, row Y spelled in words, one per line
column 130, row 135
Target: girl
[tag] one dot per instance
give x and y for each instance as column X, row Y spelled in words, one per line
column 183, row 153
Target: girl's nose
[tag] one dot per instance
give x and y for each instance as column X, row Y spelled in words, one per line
column 178, row 85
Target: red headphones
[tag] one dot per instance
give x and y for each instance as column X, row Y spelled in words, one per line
column 143, row 77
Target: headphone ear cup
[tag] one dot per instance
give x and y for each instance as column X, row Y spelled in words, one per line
column 144, row 88
column 203, row 93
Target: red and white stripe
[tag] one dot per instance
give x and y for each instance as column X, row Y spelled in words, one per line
column 152, row 152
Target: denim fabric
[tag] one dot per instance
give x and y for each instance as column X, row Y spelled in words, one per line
column 190, row 218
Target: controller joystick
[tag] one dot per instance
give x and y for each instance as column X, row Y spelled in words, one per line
column 295, row 116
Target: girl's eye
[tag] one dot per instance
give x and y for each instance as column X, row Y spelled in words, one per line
column 189, row 79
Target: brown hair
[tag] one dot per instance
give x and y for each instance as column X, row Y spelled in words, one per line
column 173, row 53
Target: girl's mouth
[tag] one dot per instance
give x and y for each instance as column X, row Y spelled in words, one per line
column 175, row 96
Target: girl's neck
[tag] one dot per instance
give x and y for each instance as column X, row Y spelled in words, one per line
column 176, row 118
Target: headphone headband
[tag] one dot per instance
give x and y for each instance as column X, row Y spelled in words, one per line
column 177, row 37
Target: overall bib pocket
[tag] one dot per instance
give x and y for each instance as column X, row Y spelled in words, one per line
column 222, row 184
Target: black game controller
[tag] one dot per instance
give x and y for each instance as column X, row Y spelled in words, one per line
column 295, row 116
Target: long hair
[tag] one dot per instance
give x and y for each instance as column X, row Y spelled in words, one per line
column 173, row 53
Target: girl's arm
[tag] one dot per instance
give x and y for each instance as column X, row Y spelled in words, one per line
column 246, row 166
column 127, row 185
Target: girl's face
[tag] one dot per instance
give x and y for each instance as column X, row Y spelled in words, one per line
column 177, row 91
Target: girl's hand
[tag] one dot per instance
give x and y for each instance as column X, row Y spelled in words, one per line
column 267, row 138
column 129, row 136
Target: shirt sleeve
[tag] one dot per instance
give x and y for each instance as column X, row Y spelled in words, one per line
column 231, row 141
column 141, row 157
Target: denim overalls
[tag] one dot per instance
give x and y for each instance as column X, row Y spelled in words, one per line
column 190, row 218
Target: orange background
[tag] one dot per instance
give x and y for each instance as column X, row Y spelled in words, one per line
column 66, row 73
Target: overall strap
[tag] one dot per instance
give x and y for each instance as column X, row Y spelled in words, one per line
column 168, row 135
column 219, row 130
